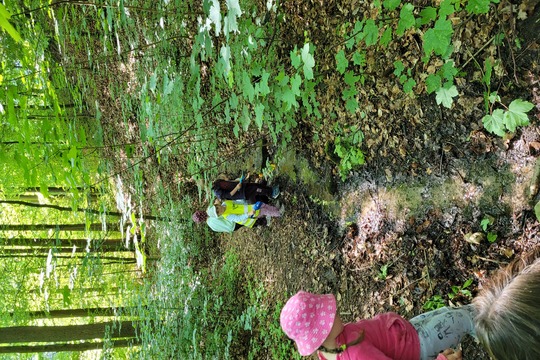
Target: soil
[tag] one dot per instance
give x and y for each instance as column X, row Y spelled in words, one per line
column 407, row 226
column 420, row 218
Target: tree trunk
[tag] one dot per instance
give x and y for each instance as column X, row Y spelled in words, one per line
column 59, row 227
column 69, row 313
column 101, row 244
column 65, row 208
column 51, row 334
column 66, row 347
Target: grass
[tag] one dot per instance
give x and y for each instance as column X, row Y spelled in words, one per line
column 199, row 304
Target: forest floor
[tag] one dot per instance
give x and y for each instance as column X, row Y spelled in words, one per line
column 414, row 222
column 419, row 219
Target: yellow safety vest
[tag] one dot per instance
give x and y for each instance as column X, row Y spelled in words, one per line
column 232, row 208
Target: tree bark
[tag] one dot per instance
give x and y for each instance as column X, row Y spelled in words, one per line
column 52, row 334
column 60, row 227
column 66, row 347
column 65, row 208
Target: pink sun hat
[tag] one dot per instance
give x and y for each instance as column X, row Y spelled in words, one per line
column 307, row 319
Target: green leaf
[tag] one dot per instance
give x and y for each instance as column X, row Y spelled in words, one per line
column 359, row 58
column 247, row 87
column 494, row 123
column 262, row 86
column 341, row 62
column 289, row 98
column 309, row 62
column 259, row 115
column 391, row 4
column 296, row 82
column 491, row 237
column 399, row 67
column 350, row 79
column 438, row 38
column 514, row 119
column 537, row 210
column 484, row 223
column 409, row 85
column 433, row 83
column 351, row 105
column 448, row 70
column 371, row 32
column 406, row 19
column 446, row 8
column 520, row 106
column 4, row 23
column 296, row 60
column 478, row 6
column 3, row 12
column 386, row 36
column 427, row 15
column 357, row 32
column 446, row 94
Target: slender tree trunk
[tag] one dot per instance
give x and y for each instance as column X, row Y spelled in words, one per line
column 102, row 244
column 65, row 208
column 51, row 334
column 66, row 347
column 69, row 313
column 60, row 227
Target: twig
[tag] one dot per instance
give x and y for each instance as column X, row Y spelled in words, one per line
column 427, row 274
column 477, row 52
column 491, row 260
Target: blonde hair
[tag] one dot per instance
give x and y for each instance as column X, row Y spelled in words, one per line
column 508, row 319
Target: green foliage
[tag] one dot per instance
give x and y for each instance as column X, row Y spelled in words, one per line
column 502, row 120
column 461, row 290
column 537, row 211
column 4, row 24
column 383, row 272
column 438, row 39
column 438, row 301
column 347, row 148
column 404, row 77
column 435, row 302
column 406, row 19
column 479, row 6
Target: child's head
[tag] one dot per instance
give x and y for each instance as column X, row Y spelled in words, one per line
column 199, row 216
column 508, row 320
column 308, row 319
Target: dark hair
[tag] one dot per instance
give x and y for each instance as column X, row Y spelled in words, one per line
column 199, row 216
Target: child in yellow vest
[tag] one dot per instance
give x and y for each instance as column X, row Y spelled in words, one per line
column 245, row 214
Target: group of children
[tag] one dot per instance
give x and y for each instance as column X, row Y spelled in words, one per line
column 504, row 317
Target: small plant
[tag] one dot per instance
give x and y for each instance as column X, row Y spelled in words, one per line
column 435, row 302
column 499, row 121
column 404, row 76
column 383, row 272
column 347, row 148
column 461, row 290
column 484, row 224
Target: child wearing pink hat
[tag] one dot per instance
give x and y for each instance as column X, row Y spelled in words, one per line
column 311, row 320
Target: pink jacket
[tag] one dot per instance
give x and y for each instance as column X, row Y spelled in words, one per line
column 387, row 337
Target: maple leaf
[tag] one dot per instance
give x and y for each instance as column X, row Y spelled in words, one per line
column 494, row 123
column 446, row 94
column 406, row 19
column 309, row 62
column 437, row 39
column 341, row 61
